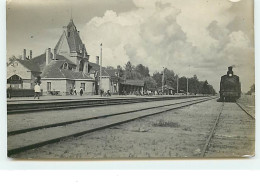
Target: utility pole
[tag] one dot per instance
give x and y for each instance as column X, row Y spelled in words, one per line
column 100, row 74
column 177, row 84
column 162, row 80
column 187, row 86
column 188, row 82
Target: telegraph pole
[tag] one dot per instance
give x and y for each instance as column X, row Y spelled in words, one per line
column 100, row 74
column 188, row 82
column 162, row 80
column 187, row 86
column 177, row 84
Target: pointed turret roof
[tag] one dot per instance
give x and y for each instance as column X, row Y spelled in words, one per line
column 73, row 38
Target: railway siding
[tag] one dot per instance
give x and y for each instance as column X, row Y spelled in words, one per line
column 38, row 119
column 177, row 133
column 41, row 137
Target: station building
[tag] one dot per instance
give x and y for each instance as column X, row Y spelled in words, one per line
column 63, row 68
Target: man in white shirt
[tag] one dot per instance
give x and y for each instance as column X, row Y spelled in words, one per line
column 37, row 90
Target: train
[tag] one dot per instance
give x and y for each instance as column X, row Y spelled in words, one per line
column 230, row 87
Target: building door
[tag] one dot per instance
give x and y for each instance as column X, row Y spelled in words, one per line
column 48, row 86
column 82, row 85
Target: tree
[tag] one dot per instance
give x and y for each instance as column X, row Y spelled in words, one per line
column 183, row 84
column 158, row 78
column 13, row 58
column 252, row 90
column 194, row 85
column 150, row 83
column 205, row 88
column 141, row 69
column 170, row 78
column 128, row 70
column 120, row 71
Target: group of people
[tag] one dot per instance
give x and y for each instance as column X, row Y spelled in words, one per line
column 74, row 91
column 105, row 93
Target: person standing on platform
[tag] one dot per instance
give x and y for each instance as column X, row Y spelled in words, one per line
column 81, row 91
column 9, row 92
column 37, row 90
column 75, row 91
column 71, row 91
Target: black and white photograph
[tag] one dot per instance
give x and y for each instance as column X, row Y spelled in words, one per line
column 130, row 79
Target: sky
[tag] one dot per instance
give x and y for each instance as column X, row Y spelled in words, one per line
column 201, row 37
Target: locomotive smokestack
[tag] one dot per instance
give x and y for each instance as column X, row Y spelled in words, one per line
column 230, row 72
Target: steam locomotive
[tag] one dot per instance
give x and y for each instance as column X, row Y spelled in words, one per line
column 230, row 87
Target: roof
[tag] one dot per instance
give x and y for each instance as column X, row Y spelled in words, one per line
column 133, row 82
column 93, row 67
column 28, row 64
column 54, row 70
column 41, row 60
column 73, row 38
column 168, row 87
column 112, row 72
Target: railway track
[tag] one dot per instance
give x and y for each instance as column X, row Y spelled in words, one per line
column 18, row 107
column 250, row 115
column 25, row 139
column 213, row 130
column 203, row 152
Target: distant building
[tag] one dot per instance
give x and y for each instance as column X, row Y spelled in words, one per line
column 22, row 73
column 131, row 87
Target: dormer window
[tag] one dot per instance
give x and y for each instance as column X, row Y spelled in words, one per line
column 65, row 65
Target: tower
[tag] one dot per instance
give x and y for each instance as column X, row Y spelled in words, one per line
column 71, row 46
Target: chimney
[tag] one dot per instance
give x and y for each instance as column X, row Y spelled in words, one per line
column 24, row 54
column 54, row 54
column 30, row 54
column 97, row 60
column 48, row 56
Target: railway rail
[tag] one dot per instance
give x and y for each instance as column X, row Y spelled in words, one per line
column 213, row 130
column 25, row 139
column 250, row 115
column 16, row 107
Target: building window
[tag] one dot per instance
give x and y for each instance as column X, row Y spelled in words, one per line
column 81, row 65
column 65, row 65
column 48, row 86
column 68, row 34
column 83, row 86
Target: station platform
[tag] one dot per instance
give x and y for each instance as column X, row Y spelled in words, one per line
column 50, row 98
column 49, row 103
